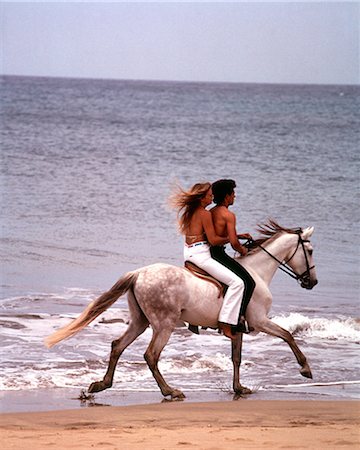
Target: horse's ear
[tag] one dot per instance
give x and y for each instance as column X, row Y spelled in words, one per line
column 307, row 232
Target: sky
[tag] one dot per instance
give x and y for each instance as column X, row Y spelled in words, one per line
column 252, row 42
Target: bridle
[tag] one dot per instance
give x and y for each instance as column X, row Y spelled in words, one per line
column 284, row 266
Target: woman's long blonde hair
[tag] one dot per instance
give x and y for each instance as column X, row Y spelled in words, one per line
column 186, row 202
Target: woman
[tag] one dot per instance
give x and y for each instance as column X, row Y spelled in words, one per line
column 195, row 222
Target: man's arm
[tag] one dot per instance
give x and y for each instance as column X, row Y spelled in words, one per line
column 233, row 237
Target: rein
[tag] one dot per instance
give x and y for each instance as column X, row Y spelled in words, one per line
column 304, row 277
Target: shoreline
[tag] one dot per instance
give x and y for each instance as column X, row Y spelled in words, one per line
column 258, row 424
column 55, row 399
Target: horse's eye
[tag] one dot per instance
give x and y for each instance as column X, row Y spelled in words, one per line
column 311, row 251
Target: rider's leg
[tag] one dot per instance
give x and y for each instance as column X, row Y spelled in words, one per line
column 229, row 313
column 219, row 254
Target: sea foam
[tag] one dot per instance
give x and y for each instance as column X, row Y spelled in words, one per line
column 342, row 328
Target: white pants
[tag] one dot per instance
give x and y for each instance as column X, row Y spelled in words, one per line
column 199, row 254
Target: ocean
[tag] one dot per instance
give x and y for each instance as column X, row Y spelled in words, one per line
column 87, row 168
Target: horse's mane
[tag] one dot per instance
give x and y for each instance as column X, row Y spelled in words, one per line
column 268, row 231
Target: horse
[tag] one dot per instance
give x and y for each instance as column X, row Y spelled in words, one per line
column 161, row 295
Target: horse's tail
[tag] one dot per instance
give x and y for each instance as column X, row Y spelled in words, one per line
column 95, row 308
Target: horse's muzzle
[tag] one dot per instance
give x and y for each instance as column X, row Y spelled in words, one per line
column 307, row 283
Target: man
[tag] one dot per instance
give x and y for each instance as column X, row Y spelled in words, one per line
column 225, row 226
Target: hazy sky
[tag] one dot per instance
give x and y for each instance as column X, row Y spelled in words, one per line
column 285, row 42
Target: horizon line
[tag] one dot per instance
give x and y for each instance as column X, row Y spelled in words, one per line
column 159, row 80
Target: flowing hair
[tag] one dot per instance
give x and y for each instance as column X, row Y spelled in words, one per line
column 186, row 202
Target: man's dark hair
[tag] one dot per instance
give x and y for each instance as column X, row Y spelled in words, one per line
column 221, row 189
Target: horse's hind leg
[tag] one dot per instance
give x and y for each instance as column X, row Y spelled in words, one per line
column 273, row 329
column 137, row 326
column 152, row 355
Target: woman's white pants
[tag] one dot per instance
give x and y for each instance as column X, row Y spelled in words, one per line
column 199, row 254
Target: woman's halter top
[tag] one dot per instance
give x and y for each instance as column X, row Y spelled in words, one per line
column 191, row 239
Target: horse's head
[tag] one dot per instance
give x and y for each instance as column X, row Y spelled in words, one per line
column 301, row 262
column 294, row 256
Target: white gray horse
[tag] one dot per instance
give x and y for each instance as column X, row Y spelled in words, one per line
column 160, row 295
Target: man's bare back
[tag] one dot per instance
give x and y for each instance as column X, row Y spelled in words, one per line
column 220, row 215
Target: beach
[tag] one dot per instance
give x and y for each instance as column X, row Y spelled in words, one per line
column 182, row 425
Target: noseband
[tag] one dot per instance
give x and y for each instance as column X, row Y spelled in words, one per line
column 284, row 266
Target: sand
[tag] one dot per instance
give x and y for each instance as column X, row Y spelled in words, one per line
column 182, row 425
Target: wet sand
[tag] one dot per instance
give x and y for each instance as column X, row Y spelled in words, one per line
column 265, row 424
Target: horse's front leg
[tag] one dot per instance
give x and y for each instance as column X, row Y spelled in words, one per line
column 236, row 349
column 273, row 329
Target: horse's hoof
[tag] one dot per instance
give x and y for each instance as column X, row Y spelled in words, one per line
column 177, row 395
column 242, row 390
column 97, row 386
column 306, row 372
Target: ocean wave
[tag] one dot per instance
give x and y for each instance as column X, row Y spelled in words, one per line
column 343, row 328
column 68, row 297
column 129, row 373
column 197, row 364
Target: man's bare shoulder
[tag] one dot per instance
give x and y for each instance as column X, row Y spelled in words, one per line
column 229, row 215
column 219, row 210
